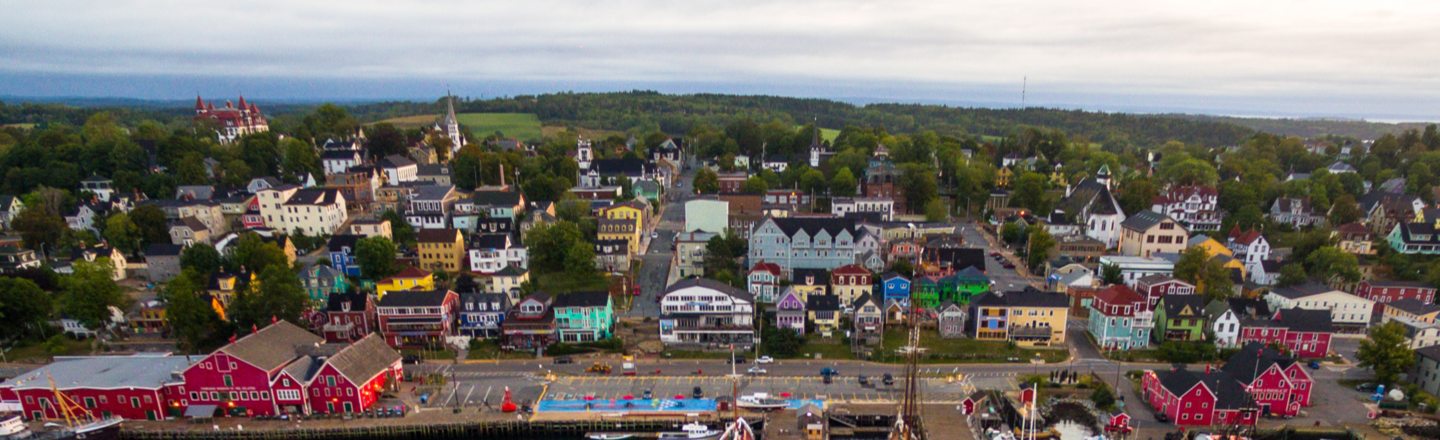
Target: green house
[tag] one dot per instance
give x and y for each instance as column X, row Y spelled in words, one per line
column 583, row 316
column 320, row 281
column 927, row 292
column 966, row 284
column 1180, row 318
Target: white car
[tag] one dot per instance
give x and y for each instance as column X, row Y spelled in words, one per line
column 756, row 371
column 654, row 235
column 764, row 360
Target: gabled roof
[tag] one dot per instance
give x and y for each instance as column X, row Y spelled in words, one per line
column 1302, row 290
column 510, row 270
column 495, row 198
column 339, row 242
column 819, row 276
column 812, row 225
column 340, row 155
column 1414, row 306
column 1253, row 359
column 1303, row 320
column 315, row 196
column 447, row 235
column 337, row 300
column 1092, row 194
column 190, row 222
column 589, row 298
column 394, row 161
column 1175, row 304
column 1119, row 294
column 409, row 272
column 822, row 303
column 163, row 250
column 414, row 298
column 765, row 266
column 862, row 299
column 893, row 275
column 706, row 283
column 104, row 372
column 489, row 241
column 850, row 269
column 433, row 192
column 1144, row 220
column 1397, row 283
column 365, row 359
column 272, row 346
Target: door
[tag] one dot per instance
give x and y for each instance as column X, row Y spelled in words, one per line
column 348, row 408
column 150, row 415
column 330, row 407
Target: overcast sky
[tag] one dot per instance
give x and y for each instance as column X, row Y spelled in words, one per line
column 1370, row 58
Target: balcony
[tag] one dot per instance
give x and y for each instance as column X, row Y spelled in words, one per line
column 1037, row 333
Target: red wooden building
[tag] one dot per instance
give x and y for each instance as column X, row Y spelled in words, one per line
column 733, row 183
column 1154, row 287
column 349, row 317
column 129, row 387
column 1192, row 398
column 1279, row 384
column 1389, row 291
column 237, row 378
column 417, row 317
column 1306, row 333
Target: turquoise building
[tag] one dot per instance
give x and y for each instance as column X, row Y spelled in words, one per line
column 584, row 316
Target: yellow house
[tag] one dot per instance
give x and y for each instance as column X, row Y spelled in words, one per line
column 1003, row 176
column 809, row 282
column 631, row 210
column 408, row 279
column 1212, row 247
column 1057, row 178
column 1228, row 262
column 441, row 249
column 1029, row 318
column 620, row 229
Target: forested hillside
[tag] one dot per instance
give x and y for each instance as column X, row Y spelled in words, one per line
column 1308, row 128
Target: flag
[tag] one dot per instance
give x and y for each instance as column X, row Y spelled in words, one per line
column 272, row 319
column 232, row 339
column 254, row 329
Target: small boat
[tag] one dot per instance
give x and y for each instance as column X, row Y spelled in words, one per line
column 609, row 436
column 691, row 431
column 760, row 401
column 13, row 427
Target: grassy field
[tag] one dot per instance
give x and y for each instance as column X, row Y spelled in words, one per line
column 560, row 282
column 25, row 126
column 522, row 126
column 412, row 121
column 967, row 350
column 552, row 130
column 826, row 134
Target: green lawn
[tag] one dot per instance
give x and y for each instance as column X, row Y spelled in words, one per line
column 522, row 126
column 826, row 134
column 560, row 282
column 965, row 350
column 828, row 349
column 36, row 349
column 490, row 349
column 432, row 355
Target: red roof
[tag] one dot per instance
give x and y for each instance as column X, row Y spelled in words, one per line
column 1246, row 238
column 1353, row 228
column 1180, row 194
column 850, row 269
column 407, row 273
column 768, row 267
column 1119, row 295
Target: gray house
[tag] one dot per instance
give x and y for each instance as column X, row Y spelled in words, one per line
column 163, row 261
column 804, row 243
column 951, row 318
column 1426, row 373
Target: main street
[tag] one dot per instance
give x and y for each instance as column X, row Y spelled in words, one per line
column 655, row 263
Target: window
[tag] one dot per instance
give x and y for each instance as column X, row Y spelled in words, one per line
column 264, row 395
column 228, row 381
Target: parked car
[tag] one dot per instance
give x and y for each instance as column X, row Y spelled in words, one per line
column 994, row 255
column 862, row 380
column 654, row 235
column 647, row 393
column 697, row 393
column 736, row 359
column 1162, row 418
column 1367, row 387
column 888, row 380
column 764, row 360
column 410, row 359
column 564, row 360
column 756, row 371
column 1314, row 365
column 1007, row 265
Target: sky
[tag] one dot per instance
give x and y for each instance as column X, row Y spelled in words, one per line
column 1372, row 59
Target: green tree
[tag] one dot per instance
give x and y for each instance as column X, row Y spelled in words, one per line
column 1039, row 248
column 1192, row 265
column 90, row 293
column 252, row 254
column 1137, row 195
column 551, row 245
column 400, row 229
column 1386, row 353
column 843, row 184
column 300, row 157
column 376, row 257
column 918, row 184
column 192, row 320
column 383, row 139
column 755, row 186
column 813, row 181
column 1335, row 263
column 1217, row 283
column 275, row 294
column 706, row 181
column 936, row 211
column 1030, row 194
column 782, row 343
column 1345, row 210
column 903, row 267
column 201, row 258
column 150, row 219
column 1011, row 233
column 580, row 260
column 24, row 308
column 39, row 229
column 1291, row 274
column 122, row 233
column 1111, row 274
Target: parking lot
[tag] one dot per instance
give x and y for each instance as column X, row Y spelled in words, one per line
column 845, row 389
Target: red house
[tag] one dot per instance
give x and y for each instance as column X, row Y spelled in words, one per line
column 129, row 387
column 238, row 377
column 1279, row 384
column 252, row 217
column 1154, row 287
column 338, row 378
column 1389, row 291
column 1306, row 333
column 349, row 317
column 849, row 276
column 732, row 183
column 417, row 317
column 1197, row 399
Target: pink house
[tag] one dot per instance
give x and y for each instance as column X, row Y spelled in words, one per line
column 1390, row 291
column 790, row 311
column 1279, row 384
column 1306, row 333
column 1154, row 287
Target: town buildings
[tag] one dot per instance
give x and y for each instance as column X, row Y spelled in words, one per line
column 1120, row 319
column 441, row 250
column 1306, row 333
column 585, row 316
column 763, row 282
column 1148, row 233
column 1194, row 206
column 231, row 121
column 489, row 253
column 705, row 314
column 162, row 261
column 312, row 211
column 1385, row 291
column 1295, row 212
column 1154, row 287
column 349, row 317
column 1347, row 312
column 804, row 243
column 1354, row 238
column 850, row 282
column 482, row 314
column 1095, row 208
column 417, row 317
column 321, row 281
column 840, row 206
column 1180, row 318
column 1029, row 317
column 341, row 248
column 140, row 387
column 1133, row 269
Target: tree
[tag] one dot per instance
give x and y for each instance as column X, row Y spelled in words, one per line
column 253, row 254
column 936, row 211
column 384, row 139
column 1040, row 244
column 1137, row 195
column 1335, row 263
column 192, row 319
column 202, row 258
column 24, row 308
column 90, row 293
column 275, row 294
column 1192, row 264
column 39, row 229
column 1291, row 274
column 782, row 343
column 551, row 245
column 1386, row 353
column 843, row 183
column 300, row 157
column 1011, row 233
column 1030, row 194
column 399, row 228
column 1111, row 274
column 918, row 184
column 580, row 260
column 122, row 233
column 154, row 227
column 903, row 267
column 755, row 186
column 1217, row 283
column 813, row 181
column 706, row 181
column 1345, row 210
column 376, row 257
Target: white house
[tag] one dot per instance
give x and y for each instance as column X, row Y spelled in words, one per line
column 707, row 215
column 1135, row 268
column 1095, row 208
column 316, row 211
column 1348, row 312
column 398, row 169
column 1249, row 247
column 339, row 161
column 272, row 204
column 700, row 312
column 489, row 253
column 881, row 205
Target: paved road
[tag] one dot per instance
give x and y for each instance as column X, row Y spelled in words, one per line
column 1005, row 279
column 655, row 269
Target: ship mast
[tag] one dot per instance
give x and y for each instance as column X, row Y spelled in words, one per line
column 907, row 423
column 66, row 406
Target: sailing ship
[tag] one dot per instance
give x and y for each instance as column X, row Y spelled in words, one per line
column 907, row 422
column 79, row 424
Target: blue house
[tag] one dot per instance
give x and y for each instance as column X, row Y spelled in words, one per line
column 1120, row 319
column 481, row 314
column 895, row 286
column 342, row 253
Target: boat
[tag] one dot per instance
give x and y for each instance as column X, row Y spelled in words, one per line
column 79, row 424
column 13, row 427
column 691, row 431
column 761, row 401
column 609, row 436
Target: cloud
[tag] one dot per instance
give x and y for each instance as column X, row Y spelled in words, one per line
column 1228, row 48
